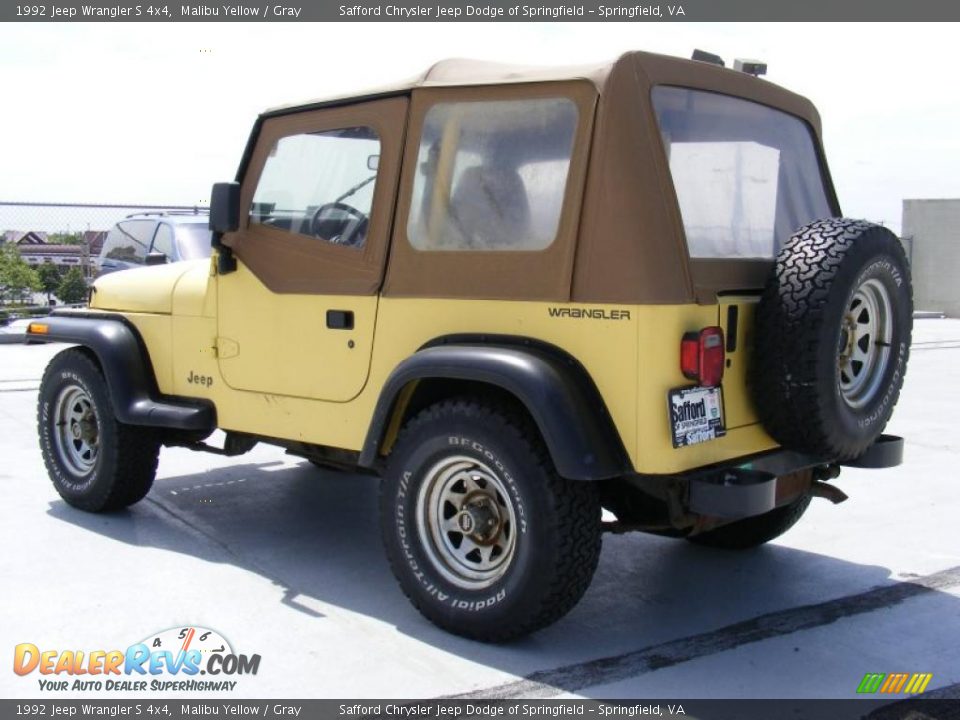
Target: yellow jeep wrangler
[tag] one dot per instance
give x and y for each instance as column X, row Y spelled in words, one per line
column 521, row 297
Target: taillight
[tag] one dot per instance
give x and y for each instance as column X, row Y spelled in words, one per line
column 702, row 356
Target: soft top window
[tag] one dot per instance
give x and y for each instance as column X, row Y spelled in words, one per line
column 491, row 175
column 746, row 175
column 320, row 185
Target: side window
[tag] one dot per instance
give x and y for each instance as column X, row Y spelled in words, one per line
column 491, row 175
column 163, row 241
column 129, row 241
column 320, row 185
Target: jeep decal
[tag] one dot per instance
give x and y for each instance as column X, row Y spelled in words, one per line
column 197, row 379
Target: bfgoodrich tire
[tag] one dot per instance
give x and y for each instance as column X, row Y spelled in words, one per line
column 833, row 337
column 484, row 537
column 96, row 463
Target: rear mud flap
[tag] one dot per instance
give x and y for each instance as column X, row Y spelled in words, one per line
column 733, row 493
column 886, row 452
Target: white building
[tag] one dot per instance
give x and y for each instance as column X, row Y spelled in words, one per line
column 931, row 234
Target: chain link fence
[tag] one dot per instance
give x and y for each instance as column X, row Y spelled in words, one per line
column 70, row 219
column 67, row 235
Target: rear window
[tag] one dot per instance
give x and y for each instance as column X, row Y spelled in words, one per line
column 746, row 175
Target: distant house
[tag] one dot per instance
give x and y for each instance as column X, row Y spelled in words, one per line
column 94, row 240
column 30, row 237
column 35, row 249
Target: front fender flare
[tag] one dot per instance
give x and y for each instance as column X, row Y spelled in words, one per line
column 557, row 392
column 127, row 370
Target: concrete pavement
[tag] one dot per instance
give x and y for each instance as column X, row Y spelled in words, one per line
column 285, row 561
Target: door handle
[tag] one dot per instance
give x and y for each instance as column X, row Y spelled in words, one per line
column 340, row 319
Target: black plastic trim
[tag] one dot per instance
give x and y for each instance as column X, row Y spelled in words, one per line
column 127, row 369
column 561, row 398
column 340, row 319
column 778, row 462
column 733, row 323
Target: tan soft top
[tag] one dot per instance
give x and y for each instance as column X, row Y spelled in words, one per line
column 621, row 237
column 459, row 72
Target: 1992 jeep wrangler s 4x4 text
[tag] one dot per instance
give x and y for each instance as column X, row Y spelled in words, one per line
column 519, row 296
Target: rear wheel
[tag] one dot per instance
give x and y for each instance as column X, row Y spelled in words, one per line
column 96, row 463
column 484, row 537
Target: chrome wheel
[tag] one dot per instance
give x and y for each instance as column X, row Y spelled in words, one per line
column 76, row 430
column 866, row 333
column 467, row 522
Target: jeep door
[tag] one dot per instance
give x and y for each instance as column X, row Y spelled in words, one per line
column 297, row 316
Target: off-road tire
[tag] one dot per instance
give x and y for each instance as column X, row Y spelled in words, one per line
column 753, row 531
column 123, row 466
column 800, row 336
column 558, row 528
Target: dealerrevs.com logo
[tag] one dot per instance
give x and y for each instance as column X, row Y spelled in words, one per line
column 171, row 660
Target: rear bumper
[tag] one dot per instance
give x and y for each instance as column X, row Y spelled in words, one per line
column 750, row 488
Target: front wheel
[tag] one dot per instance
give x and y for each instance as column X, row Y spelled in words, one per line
column 484, row 537
column 96, row 463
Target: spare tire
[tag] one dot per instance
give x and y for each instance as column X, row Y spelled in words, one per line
column 832, row 338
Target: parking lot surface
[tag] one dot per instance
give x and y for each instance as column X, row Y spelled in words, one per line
column 285, row 561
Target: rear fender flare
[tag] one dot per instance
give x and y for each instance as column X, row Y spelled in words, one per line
column 556, row 390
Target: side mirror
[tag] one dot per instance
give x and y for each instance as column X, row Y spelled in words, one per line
column 225, row 207
column 155, row 258
column 373, row 162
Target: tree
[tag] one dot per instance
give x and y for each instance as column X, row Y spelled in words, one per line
column 16, row 277
column 50, row 277
column 73, row 288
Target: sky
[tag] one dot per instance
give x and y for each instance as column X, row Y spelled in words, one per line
column 155, row 113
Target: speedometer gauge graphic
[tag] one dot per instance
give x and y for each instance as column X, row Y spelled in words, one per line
column 184, row 639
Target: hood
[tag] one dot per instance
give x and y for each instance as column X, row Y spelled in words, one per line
column 146, row 289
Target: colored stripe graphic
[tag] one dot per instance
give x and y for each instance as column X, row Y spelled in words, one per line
column 918, row 683
column 893, row 683
column 871, row 682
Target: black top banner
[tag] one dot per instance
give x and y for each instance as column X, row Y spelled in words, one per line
column 483, row 11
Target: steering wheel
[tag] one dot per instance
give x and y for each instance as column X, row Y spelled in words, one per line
column 353, row 229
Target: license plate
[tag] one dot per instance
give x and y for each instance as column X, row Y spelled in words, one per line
column 696, row 415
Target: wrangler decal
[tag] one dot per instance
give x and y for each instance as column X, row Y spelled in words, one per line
column 589, row 313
